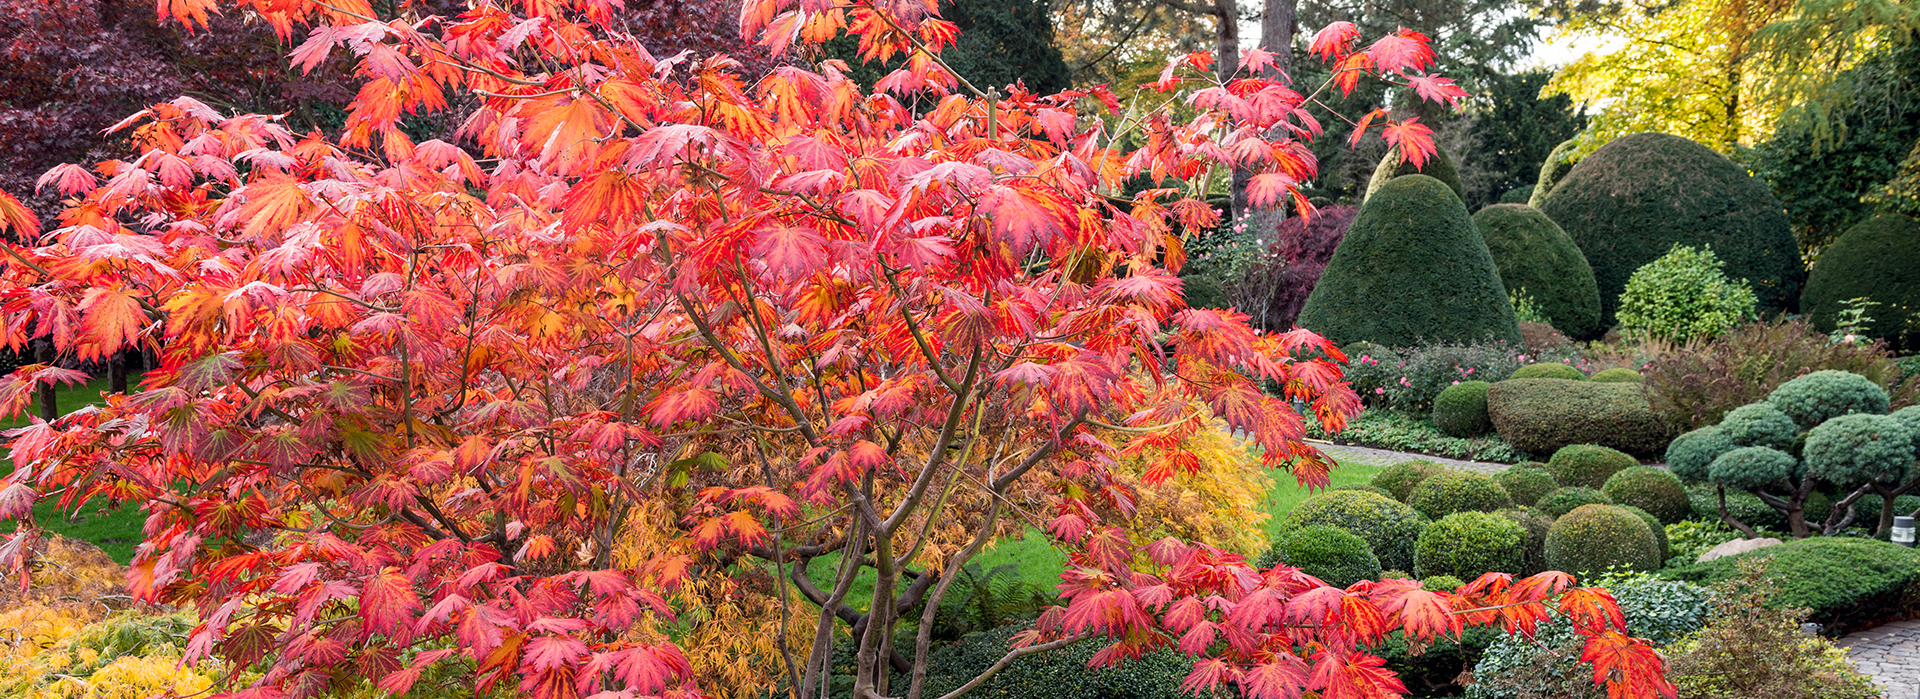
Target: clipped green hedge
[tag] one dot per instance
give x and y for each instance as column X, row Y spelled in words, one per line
column 1655, row 490
column 1461, row 410
column 1389, row 526
column 1400, row 479
column 1058, row 674
column 1466, row 545
column 1411, row 269
column 1854, row 449
column 1559, row 162
column 1548, row 370
column 1617, row 375
column 1561, row 501
column 1593, row 538
column 1659, row 530
column 1391, row 167
column 1537, row 524
column 1629, row 202
column 1458, row 491
column 1879, row 260
column 1690, row 454
column 1588, row 465
column 1846, row 581
column 1542, row 415
column 1759, row 425
column 1331, row 554
column 1536, row 257
column 1526, row 485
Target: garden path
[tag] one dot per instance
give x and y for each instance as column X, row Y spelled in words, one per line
column 1891, row 654
column 1387, row 457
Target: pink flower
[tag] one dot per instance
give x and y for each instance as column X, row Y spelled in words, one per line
column 1380, row 390
column 1456, row 383
column 1469, row 370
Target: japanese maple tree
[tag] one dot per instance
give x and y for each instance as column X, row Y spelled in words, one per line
column 496, row 405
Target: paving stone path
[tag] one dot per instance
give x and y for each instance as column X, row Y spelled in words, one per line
column 1891, row 654
column 1385, row 457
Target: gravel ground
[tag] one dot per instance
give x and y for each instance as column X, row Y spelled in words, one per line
column 1384, row 457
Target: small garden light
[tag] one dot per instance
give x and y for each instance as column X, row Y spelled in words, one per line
column 1903, row 531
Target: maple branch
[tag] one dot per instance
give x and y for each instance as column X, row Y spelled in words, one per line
column 1011, row 656
column 29, row 263
column 923, row 638
column 785, row 400
column 919, row 337
column 938, row 454
column 1034, row 459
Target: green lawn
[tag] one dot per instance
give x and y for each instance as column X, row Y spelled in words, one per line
column 116, row 532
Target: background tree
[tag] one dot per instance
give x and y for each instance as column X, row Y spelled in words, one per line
column 1516, row 132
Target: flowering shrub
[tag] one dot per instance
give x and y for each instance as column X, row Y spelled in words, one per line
column 1409, row 379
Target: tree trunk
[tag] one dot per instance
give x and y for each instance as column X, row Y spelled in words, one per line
column 48, row 399
column 117, row 373
column 1277, row 28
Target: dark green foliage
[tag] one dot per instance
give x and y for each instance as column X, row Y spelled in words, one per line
column 1411, row 268
column 1328, row 553
column 1588, row 465
column 1400, row 479
column 1434, row 669
column 1526, row 485
column 1630, row 201
column 1520, row 129
column 1468, row 544
column 1659, row 530
column 1749, row 509
column 1617, row 375
column 1204, row 291
column 1390, row 527
column 1823, row 395
column 1542, row 415
column 1542, row 667
column 1368, row 487
column 1751, row 468
column 1438, row 166
column 1535, row 257
column 1461, row 410
column 1458, row 491
column 1593, row 538
column 1878, row 260
column 1537, row 525
column 1853, row 449
column 1655, row 490
column 1518, row 195
column 1563, row 500
column 1845, row 581
column 1901, row 195
column 980, row 600
column 1692, row 453
column 1759, row 425
column 1548, row 370
column 1553, row 169
column 1059, row 674
column 1001, row 42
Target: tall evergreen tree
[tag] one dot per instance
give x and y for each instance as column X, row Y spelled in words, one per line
column 1518, row 130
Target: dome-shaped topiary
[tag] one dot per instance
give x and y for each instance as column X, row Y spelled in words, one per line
column 1441, row 583
column 1617, row 375
column 1559, row 502
column 1653, row 523
column 1548, row 370
column 1629, row 202
column 1760, row 425
column 1690, row 454
column 1387, row 525
column 1518, row 195
column 1878, row 260
column 1827, row 394
column 1368, row 487
column 1411, row 269
column 1458, row 491
column 1331, row 554
column 1559, row 162
column 1537, row 525
column 1399, row 479
column 1593, row 538
column 1535, row 257
column 1437, row 166
column 1909, row 416
column 1854, row 449
column 1461, row 410
column 1587, row 465
column 1655, row 490
column 1526, row 485
column 1748, row 468
column 1468, row 544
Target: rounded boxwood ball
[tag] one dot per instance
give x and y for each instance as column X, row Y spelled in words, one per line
column 1618, row 375
column 1458, row 491
column 1587, row 465
column 1537, row 524
column 1593, row 538
column 1441, row 583
column 1400, row 479
column 1468, row 544
column 1827, row 394
column 1878, row 259
column 1461, row 410
column 1525, row 484
column 1690, row 454
column 1909, row 416
column 1659, row 530
column 1851, row 450
column 1760, row 425
column 1331, row 554
column 1559, row 502
column 1368, row 487
column 1536, row 258
column 1655, row 490
column 1548, row 370
column 1750, row 468
column 1387, row 525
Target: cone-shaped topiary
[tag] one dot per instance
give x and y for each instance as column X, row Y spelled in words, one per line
column 1587, row 465
column 1593, row 538
column 1461, row 410
column 1391, row 167
column 1400, row 479
column 1328, row 553
column 1526, row 485
column 1760, row 425
column 1878, row 260
column 1827, row 394
column 1389, row 526
column 1690, row 454
column 1548, row 370
column 1655, row 490
column 1535, row 257
column 1468, row 544
column 1617, row 375
column 1751, row 468
column 1854, row 449
column 1629, row 202
column 1411, row 269
column 1559, row 162
column 1537, row 524
column 1458, row 491
column 1561, row 501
